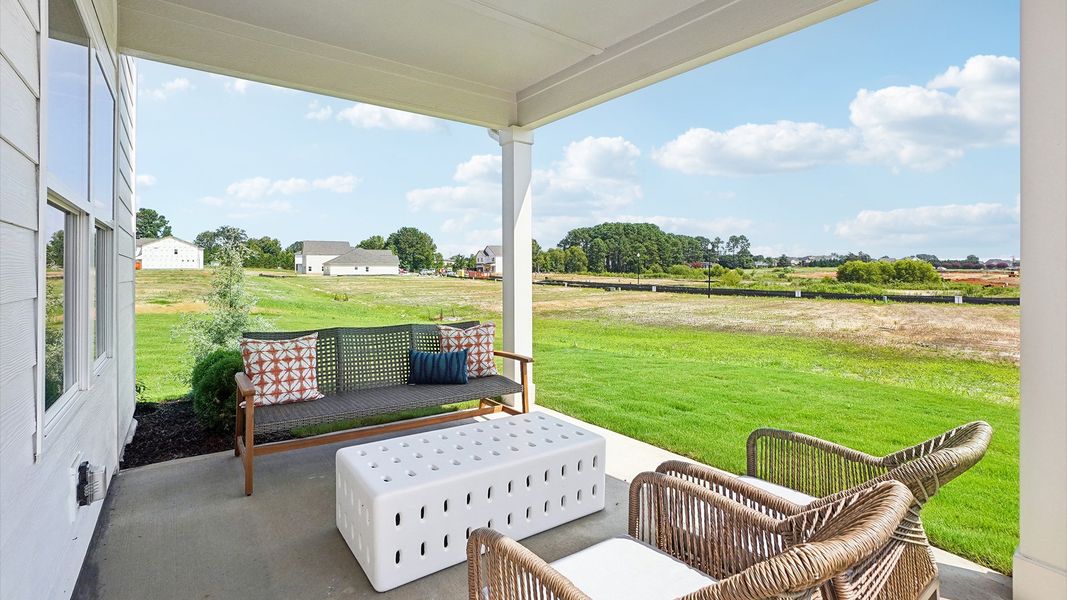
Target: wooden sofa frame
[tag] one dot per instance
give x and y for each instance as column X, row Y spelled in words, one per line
column 363, row 378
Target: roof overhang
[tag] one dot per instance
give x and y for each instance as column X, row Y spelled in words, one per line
column 493, row 63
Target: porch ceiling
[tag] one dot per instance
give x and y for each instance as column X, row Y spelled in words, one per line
column 492, row 63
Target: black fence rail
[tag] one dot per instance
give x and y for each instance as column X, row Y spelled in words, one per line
column 716, row 291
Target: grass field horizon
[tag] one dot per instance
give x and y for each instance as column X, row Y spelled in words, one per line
column 696, row 375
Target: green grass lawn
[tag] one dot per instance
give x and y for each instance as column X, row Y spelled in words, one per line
column 694, row 391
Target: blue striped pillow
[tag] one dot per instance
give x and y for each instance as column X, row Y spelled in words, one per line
column 438, row 367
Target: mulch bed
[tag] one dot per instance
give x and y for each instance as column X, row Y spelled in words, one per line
column 170, row 430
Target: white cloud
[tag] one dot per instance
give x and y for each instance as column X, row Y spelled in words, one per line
column 368, row 116
column 257, row 187
column 753, row 149
column 318, row 112
column 596, row 174
column 168, row 89
column 944, row 225
column 928, row 127
column 922, row 127
column 690, row 226
column 239, row 86
column 250, row 197
column 477, row 189
column 146, row 180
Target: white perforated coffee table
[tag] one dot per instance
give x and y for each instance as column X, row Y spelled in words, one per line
column 406, row 506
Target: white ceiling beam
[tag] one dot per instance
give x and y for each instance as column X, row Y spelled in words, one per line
column 704, row 33
column 170, row 33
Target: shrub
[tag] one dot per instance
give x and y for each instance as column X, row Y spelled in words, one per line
column 214, row 388
column 732, row 278
column 901, row 271
column 230, row 312
column 717, row 270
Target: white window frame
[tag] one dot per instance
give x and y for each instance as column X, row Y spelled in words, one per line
column 86, row 217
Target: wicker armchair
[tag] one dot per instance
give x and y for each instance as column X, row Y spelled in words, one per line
column 789, row 473
column 686, row 541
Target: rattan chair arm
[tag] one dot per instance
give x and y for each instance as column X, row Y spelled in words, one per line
column 499, row 568
column 708, row 531
column 808, row 464
column 729, row 485
column 513, row 356
column 244, row 385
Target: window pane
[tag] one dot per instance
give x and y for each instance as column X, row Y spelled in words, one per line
column 68, row 102
column 57, row 328
column 98, row 291
column 103, row 149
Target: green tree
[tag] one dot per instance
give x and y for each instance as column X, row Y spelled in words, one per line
column 267, row 253
column 576, row 261
column 535, row 256
column 151, row 224
column 554, row 260
column 783, row 261
column 53, row 253
column 214, row 241
column 230, row 307
column 374, row 242
column 973, row 258
column 598, row 255
column 416, row 249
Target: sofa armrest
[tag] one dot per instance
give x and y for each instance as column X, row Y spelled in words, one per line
column 513, row 356
column 245, row 389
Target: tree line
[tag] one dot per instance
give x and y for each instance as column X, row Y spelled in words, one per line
column 415, row 249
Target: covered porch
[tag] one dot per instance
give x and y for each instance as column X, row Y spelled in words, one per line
column 183, row 529
column 512, row 68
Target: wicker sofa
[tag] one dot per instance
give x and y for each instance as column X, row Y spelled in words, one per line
column 789, row 473
column 363, row 372
column 686, row 541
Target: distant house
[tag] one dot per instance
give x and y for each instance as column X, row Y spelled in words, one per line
column 168, row 253
column 314, row 254
column 363, row 262
column 490, row 260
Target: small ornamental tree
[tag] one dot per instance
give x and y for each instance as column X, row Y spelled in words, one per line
column 230, row 308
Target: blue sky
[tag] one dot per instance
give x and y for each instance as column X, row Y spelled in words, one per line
column 892, row 129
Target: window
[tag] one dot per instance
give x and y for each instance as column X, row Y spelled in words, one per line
column 59, row 319
column 68, row 102
column 102, row 157
column 175, row 252
column 79, row 170
column 100, row 283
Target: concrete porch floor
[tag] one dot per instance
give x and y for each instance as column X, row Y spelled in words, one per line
column 184, row 529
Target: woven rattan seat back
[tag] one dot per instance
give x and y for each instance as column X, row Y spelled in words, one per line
column 353, row 358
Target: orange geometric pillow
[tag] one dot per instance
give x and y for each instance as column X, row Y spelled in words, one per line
column 282, row 371
column 477, row 341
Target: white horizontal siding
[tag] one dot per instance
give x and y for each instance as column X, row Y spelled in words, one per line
column 18, row 42
column 43, row 536
column 18, row 263
column 18, row 104
column 18, row 188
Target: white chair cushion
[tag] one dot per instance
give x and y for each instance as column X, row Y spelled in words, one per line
column 622, row 568
column 783, row 492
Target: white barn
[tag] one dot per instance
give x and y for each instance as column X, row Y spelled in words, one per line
column 168, row 253
column 490, row 260
column 314, row 254
column 363, row 262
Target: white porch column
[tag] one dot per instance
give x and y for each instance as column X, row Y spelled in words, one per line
column 516, row 150
column 1040, row 569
